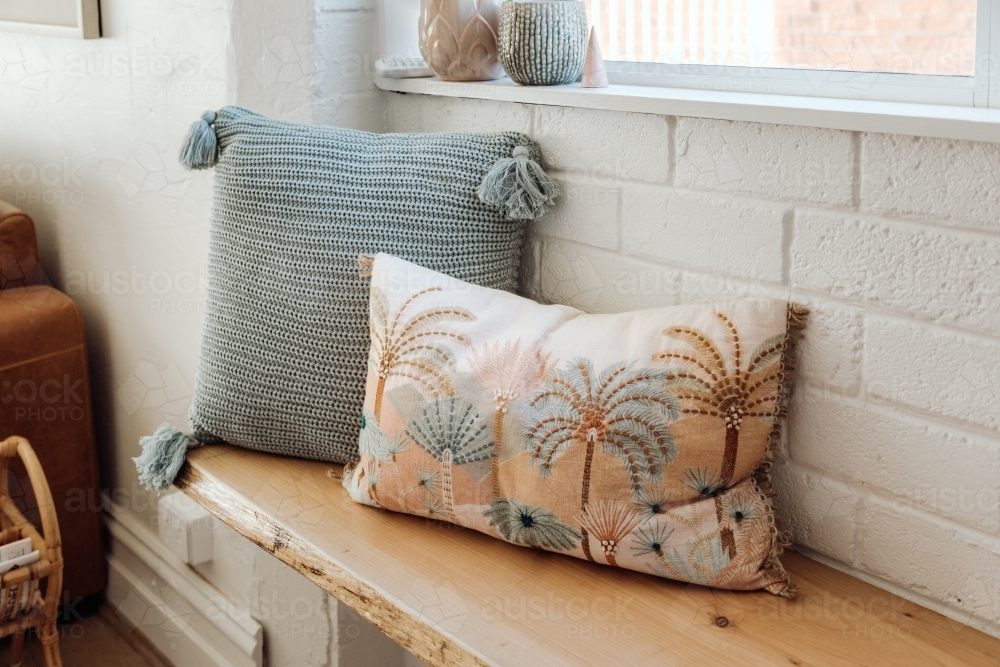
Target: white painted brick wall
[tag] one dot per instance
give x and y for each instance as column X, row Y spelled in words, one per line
column 586, row 212
column 942, row 372
column 624, row 145
column 344, row 54
column 822, row 510
column 929, row 556
column 832, row 354
column 942, row 181
column 892, row 464
column 773, row 161
column 949, row 277
column 603, row 282
column 716, row 232
column 420, row 113
column 890, row 451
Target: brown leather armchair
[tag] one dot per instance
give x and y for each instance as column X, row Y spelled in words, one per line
column 19, row 265
column 45, row 397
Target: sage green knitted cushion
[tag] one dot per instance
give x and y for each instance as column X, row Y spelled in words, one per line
column 285, row 340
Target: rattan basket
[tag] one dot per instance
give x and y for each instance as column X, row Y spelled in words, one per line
column 29, row 596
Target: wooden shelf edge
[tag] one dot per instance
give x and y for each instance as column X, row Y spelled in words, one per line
column 415, row 635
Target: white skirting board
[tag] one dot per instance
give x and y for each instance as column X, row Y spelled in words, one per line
column 168, row 603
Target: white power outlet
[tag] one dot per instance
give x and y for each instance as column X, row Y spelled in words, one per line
column 186, row 528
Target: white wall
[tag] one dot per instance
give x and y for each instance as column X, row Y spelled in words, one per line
column 892, row 466
column 343, row 94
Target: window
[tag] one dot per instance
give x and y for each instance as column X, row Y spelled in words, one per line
column 904, row 36
column 934, row 51
column 940, row 52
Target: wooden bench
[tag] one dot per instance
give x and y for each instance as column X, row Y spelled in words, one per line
column 456, row 597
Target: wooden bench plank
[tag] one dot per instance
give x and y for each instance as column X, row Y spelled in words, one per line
column 456, row 597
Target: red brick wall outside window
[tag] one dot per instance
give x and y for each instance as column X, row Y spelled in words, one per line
column 906, row 36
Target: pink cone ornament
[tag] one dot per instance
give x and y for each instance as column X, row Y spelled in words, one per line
column 594, row 74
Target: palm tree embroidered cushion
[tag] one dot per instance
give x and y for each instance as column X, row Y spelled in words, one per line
column 641, row 440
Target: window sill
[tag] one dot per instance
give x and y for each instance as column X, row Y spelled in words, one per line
column 924, row 120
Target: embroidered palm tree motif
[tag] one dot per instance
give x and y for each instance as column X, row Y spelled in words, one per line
column 393, row 449
column 709, row 485
column 372, row 444
column 651, row 502
column 623, row 411
column 706, row 384
column 451, row 431
column 530, row 525
column 652, row 540
column 706, row 482
column 740, row 510
column 379, row 450
column 511, row 373
column 609, row 523
column 428, row 480
column 435, row 508
column 704, row 559
column 410, row 344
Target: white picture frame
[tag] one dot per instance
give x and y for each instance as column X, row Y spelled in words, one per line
column 87, row 12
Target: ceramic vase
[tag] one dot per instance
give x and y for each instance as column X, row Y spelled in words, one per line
column 543, row 43
column 458, row 38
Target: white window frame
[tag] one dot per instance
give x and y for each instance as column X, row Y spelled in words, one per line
column 398, row 19
column 88, row 24
column 968, row 91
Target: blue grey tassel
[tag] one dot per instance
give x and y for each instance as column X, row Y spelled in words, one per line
column 201, row 147
column 518, row 186
column 162, row 456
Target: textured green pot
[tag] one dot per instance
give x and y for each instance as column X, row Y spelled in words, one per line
column 543, row 43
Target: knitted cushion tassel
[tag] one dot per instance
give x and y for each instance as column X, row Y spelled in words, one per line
column 518, row 186
column 162, row 456
column 200, row 149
